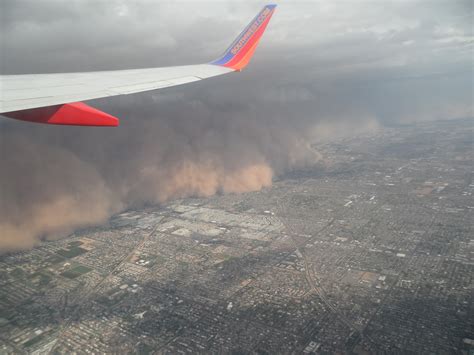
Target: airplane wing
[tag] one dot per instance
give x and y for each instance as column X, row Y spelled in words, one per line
column 56, row 98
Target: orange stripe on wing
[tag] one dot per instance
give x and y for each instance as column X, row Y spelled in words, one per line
column 246, row 59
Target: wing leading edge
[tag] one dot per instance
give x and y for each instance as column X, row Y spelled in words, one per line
column 55, row 98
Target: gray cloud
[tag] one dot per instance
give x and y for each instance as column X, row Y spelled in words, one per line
column 324, row 68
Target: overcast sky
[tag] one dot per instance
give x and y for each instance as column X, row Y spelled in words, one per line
column 322, row 68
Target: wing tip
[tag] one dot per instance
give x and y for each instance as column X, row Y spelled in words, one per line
column 238, row 55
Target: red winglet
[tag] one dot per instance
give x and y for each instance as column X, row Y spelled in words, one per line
column 241, row 50
column 73, row 114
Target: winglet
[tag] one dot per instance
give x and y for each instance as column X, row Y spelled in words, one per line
column 238, row 55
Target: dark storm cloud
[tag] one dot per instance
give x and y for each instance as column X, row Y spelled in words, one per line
column 324, row 68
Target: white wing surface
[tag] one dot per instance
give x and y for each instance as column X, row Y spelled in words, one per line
column 20, row 92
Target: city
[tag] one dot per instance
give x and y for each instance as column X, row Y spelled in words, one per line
column 370, row 251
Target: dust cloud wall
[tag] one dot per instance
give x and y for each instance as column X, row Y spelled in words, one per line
column 323, row 69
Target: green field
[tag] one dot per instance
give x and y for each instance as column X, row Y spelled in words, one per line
column 33, row 341
column 76, row 272
column 71, row 252
column 54, row 259
column 75, row 243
